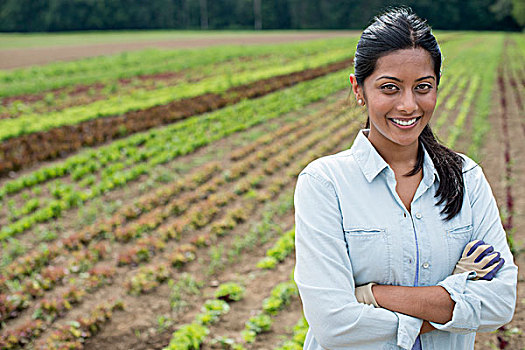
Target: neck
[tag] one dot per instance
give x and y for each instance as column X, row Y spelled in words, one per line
column 397, row 156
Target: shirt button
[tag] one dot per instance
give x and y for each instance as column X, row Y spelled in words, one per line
column 426, row 265
column 419, row 216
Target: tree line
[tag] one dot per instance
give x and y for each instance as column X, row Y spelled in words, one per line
column 70, row 15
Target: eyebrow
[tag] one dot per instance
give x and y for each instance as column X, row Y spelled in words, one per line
column 397, row 79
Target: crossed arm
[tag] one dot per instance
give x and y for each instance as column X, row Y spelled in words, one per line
column 323, row 274
column 433, row 303
column 427, row 303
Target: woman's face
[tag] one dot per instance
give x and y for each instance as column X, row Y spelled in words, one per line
column 401, row 97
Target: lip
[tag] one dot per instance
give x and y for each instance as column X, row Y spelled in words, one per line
column 405, row 119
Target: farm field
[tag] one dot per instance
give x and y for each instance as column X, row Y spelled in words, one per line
column 146, row 197
column 19, row 50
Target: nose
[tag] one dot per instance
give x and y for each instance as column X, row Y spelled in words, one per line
column 407, row 102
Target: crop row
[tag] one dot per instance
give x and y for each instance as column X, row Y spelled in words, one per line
column 280, row 250
column 160, row 146
column 21, row 151
column 89, row 238
column 129, row 64
column 148, row 145
column 149, row 277
column 70, row 336
column 297, row 340
column 205, row 212
column 144, row 99
column 58, row 102
column 159, row 274
column 65, row 192
column 33, row 261
column 190, row 336
column 464, row 111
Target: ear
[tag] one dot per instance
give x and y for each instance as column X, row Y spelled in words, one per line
column 355, row 87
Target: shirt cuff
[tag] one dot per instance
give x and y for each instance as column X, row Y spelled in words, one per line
column 407, row 330
column 467, row 309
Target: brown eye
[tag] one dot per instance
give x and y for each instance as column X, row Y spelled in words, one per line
column 389, row 87
column 424, row 87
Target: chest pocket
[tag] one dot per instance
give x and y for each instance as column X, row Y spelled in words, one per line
column 457, row 239
column 369, row 250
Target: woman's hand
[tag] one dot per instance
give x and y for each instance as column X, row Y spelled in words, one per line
column 364, row 294
column 480, row 258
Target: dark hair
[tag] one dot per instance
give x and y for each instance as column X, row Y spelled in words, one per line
column 397, row 29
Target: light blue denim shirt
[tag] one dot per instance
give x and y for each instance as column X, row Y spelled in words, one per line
column 352, row 228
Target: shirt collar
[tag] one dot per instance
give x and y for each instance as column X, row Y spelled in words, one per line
column 372, row 164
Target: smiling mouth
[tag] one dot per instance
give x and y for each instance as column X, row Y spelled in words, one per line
column 404, row 122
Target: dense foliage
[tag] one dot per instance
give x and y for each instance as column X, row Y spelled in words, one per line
column 60, row 15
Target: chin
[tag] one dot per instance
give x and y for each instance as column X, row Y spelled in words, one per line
column 405, row 141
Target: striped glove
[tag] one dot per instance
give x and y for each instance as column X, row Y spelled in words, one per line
column 480, row 258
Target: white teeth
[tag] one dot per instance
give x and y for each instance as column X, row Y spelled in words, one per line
column 405, row 122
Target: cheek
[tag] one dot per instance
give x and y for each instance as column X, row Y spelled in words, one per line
column 379, row 103
column 428, row 102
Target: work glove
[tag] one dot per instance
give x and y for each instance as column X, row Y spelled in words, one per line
column 364, row 294
column 480, row 258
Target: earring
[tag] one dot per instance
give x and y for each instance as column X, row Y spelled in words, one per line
column 360, row 102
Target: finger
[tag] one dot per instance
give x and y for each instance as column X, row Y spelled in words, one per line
column 471, row 247
column 489, row 276
column 480, row 249
column 484, row 253
column 496, row 257
column 485, row 261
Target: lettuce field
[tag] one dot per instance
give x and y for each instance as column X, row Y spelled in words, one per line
column 146, row 196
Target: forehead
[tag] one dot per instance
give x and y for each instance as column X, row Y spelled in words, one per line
column 407, row 62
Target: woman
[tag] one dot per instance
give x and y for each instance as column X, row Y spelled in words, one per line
column 390, row 233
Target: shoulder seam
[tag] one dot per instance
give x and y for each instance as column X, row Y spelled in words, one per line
column 323, row 181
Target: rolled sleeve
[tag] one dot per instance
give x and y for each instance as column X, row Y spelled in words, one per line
column 467, row 310
column 483, row 305
column 407, row 330
column 324, row 277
